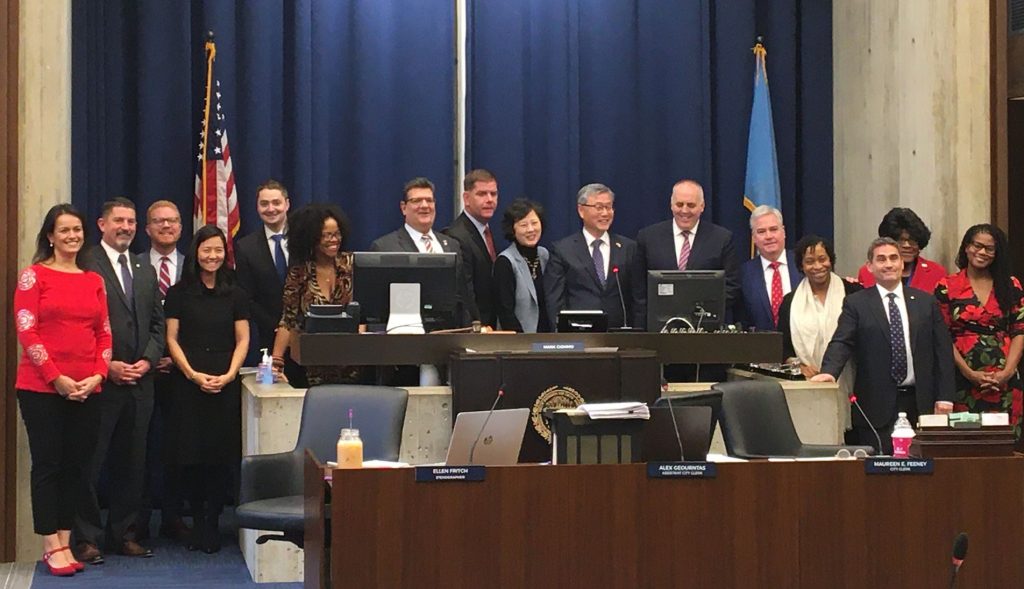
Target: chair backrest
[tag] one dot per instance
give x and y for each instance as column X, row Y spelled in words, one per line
column 378, row 414
column 711, row 399
column 755, row 419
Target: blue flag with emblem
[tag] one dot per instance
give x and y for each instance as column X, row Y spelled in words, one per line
column 761, row 186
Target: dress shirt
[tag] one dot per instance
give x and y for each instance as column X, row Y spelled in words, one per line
column 113, row 254
column 677, row 235
column 901, row 304
column 479, row 226
column 768, row 273
column 417, row 238
column 606, row 249
column 155, row 258
column 270, row 243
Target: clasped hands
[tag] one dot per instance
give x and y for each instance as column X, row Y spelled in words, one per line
column 123, row 373
column 76, row 390
column 211, row 384
column 989, row 381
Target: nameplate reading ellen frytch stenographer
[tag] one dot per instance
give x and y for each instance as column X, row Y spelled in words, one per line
column 883, row 465
column 681, row 470
column 450, row 474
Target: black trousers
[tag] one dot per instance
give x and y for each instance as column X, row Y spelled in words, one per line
column 61, row 439
column 125, row 412
column 161, row 480
column 205, row 486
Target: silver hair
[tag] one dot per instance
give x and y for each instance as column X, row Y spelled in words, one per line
column 879, row 242
column 763, row 210
column 590, row 190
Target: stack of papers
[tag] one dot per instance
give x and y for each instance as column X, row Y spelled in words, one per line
column 626, row 410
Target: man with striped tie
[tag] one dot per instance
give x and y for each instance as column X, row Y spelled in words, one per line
column 685, row 242
column 163, row 226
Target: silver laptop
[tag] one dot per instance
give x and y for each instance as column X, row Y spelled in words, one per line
column 499, row 443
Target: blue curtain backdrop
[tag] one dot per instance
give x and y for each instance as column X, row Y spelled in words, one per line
column 345, row 100
column 638, row 94
column 342, row 101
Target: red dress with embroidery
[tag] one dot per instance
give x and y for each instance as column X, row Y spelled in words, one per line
column 63, row 327
column 982, row 334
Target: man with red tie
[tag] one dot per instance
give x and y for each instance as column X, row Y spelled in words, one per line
column 768, row 277
column 472, row 229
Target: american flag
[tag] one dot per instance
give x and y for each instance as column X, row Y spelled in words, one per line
column 216, row 198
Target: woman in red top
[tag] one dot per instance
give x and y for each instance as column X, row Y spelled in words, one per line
column 912, row 235
column 60, row 312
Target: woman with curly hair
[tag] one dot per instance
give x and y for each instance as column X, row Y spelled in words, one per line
column 912, row 235
column 319, row 273
column 983, row 305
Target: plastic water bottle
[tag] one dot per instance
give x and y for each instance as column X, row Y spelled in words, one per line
column 902, row 435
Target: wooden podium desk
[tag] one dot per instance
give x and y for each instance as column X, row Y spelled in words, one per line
column 334, row 349
column 758, row 524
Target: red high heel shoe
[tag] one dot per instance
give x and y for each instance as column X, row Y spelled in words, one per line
column 76, row 564
column 64, row 571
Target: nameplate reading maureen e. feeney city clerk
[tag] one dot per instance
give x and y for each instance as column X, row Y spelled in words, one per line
column 450, row 474
column 883, row 465
column 681, row 470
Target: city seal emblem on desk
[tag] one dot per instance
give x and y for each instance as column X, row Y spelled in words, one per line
column 553, row 398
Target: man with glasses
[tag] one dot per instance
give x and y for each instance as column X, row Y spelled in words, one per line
column 261, row 263
column 163, row 226
column 419, row 208
column 589, row 269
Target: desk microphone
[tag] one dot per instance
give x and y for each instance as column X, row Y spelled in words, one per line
column 472, row 449
column 622, row 301
column 675, row 426
column 853, row 399
column 959, row 554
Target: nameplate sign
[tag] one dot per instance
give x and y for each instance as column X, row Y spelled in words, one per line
column 556, row 347
column 899, row 466
column 682, row 470
column 450, row 474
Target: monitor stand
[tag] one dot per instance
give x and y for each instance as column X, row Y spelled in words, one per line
column 404, row 311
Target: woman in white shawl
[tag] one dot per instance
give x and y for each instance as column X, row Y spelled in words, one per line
column 810, row 312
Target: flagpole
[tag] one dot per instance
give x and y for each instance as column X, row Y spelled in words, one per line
column 211, row 54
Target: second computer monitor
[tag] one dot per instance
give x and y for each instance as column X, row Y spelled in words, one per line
column 685, row 299
column 374, row 272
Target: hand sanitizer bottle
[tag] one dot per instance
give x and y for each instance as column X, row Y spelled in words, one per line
column 266, row 369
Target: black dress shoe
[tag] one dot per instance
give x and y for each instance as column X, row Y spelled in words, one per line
column 133, row 548
column 175, row 530
column 88, row 553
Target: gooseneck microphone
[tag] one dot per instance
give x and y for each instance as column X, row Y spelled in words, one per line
column 622, row 301
column 675, row 426
column 959, row 554
column 472, row 449
column 853, row 399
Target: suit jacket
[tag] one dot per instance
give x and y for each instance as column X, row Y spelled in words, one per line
column 137, row 326
column 756, row 310
column 712, row 249
column 257, row 275
column 863, row 334
column 399, row 241
column 477, row 265
column 570, row 280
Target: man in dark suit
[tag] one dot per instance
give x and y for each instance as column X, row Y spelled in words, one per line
column 902, row 349
column 261, row 263
column 479, row 201
column 685, row 242
column 767, row 278
column 584, row 268
column 418, row 206
column 163, row 226
column 137, row 327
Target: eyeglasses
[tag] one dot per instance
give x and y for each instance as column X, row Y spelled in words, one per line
column 423, row 200
column 165, row 221
column 336, row 236
column 988, row 249
column 600, row 207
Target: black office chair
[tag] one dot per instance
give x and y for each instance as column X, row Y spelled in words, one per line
column 271, row 495
column 711, row 399
column 756, row 423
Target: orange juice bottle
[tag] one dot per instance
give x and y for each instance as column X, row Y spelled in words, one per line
column 350, row 449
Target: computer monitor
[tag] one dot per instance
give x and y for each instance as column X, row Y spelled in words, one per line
column 374, row 272
column 685, row 299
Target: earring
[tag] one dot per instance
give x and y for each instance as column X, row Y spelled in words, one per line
column 51, row 244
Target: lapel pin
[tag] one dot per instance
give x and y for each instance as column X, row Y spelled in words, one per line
column 617, row 244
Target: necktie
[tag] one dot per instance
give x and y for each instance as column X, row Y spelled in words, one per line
column 684, row 252
column 428, row 244
column 279, row 262
column 599, row 261
column 165, row 276
column 898, row 364
column 776, row 292
column 489, row 240
column 126, row 279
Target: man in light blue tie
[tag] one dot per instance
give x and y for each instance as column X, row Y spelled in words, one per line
column 589, row 269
